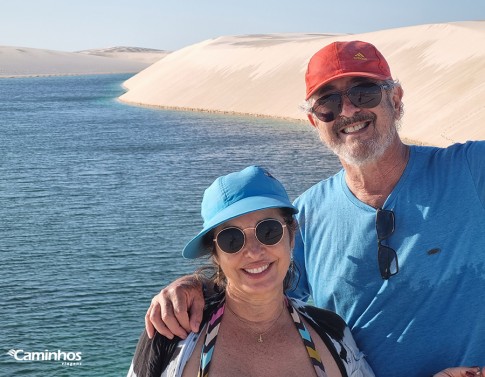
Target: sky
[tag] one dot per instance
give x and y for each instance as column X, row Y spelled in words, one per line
column 70, row 25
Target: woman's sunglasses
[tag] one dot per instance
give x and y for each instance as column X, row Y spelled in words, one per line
column 268, row 232
column 366, row 95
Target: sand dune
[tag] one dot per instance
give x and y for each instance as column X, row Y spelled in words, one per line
column 139, row 54
column 23, row 61
column 440, row 66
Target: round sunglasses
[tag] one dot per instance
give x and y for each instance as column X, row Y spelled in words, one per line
column 366, row 96
column 268, row 232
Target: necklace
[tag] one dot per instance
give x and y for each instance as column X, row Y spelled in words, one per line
column 250, row 324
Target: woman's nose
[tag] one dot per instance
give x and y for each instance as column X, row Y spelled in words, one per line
column 253, row 247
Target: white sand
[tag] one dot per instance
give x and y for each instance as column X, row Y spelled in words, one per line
column 441, row 68
column 23, row 61
column 146, row 55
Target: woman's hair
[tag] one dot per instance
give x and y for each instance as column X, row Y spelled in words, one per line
column 214, row 273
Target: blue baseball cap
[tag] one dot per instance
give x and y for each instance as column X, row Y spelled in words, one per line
column 233, row 195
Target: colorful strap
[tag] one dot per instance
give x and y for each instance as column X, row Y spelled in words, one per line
column 307, row 341
column 210, row 340
column 213, row 329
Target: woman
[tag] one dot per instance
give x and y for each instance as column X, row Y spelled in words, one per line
column 250, row 328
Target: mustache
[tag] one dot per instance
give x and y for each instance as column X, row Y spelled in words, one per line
column 343, row 122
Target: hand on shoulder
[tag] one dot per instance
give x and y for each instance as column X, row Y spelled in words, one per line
column 461, row 372
column 177, row 309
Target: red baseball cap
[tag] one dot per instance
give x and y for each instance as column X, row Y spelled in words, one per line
column 341, row 59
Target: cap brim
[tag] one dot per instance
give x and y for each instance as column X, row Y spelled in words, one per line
column 195, row 248
column 347, row 74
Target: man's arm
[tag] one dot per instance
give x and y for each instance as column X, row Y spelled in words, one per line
column 178, row 308
column 461, row 372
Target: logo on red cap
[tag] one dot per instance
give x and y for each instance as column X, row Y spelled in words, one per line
column 360, row 56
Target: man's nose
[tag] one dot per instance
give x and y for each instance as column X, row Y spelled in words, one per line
column 348, row 108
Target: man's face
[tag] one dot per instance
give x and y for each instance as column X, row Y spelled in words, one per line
column 360, row 135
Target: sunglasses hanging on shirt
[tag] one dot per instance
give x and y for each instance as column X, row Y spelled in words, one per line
column 386, row 256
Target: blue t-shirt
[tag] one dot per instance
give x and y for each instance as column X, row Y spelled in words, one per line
column 431, row 314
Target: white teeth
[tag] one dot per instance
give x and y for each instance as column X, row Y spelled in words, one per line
column 257, row 270
column 354, row 128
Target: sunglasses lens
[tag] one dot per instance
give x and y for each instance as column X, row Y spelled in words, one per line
column 386, row 256
column 230, row 240
column 328, row 107
column 387, row 259
column 384, row 223
column 269, row 232
column 366, row 95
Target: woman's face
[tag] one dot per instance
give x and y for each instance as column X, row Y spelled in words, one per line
column 256, row 269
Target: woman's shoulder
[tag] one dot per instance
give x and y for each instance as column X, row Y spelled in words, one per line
column 321, row 319
column 333, row 330
column 153, row 355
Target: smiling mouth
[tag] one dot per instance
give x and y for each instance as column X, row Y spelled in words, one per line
column 258, row 270
column 357, row 127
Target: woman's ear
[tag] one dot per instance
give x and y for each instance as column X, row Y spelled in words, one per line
column 292, row 241
column 293, row 233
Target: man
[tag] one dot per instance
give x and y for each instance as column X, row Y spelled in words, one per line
column 394, row 242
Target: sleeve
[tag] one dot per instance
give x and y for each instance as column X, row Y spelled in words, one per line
column 335, row 333
column 131, row 372
column 152, row 355
column 356, row 364
column 475, row 154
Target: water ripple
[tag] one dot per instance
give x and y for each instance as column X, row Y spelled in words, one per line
column 97, row 200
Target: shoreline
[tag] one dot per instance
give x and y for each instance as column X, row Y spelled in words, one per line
column 262, row 75
column 211, row 111
column 302, row 122
column 20, row 62
column 27, row 76
column 441, row 76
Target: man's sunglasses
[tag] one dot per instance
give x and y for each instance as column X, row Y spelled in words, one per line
column 366, row 95
column 268, row 232
column 386, row 256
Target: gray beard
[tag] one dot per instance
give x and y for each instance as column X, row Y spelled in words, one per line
column 368, row 151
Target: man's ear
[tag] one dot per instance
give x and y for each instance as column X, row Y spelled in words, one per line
column 397, row 100
column 312, row 121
